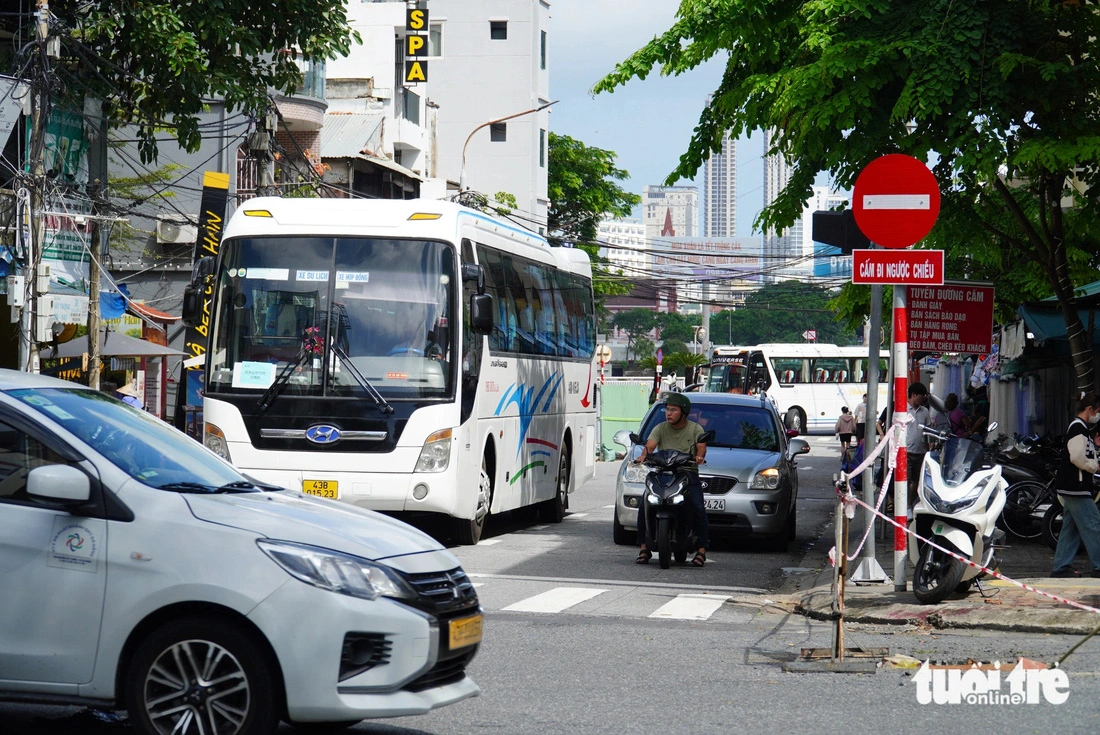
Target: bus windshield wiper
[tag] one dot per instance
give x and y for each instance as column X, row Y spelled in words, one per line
column 345, row 360
column 279, row 384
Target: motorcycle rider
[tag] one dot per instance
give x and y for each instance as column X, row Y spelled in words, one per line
column 678, row 433
column 1081, row 519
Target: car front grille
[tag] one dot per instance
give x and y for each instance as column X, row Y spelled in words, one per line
column 714, row 485
column 443, row 592
column 446, row 671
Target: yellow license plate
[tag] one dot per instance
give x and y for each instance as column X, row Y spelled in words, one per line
column 465, row 632
column 321, row 488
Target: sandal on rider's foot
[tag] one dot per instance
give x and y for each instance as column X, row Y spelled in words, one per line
column 699, row 560
column 644, row 556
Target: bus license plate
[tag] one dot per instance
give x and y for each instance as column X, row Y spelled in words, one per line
column 714, row 503
column 321, row 488
column 465, row 632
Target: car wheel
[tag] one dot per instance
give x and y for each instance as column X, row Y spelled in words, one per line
column 200, row 676
column 622, row 536
column 467, row 531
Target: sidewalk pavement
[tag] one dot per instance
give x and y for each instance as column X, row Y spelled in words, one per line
column 999, row 606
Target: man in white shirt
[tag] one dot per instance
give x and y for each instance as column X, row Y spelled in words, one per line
column 861, row 418
column 914, row 438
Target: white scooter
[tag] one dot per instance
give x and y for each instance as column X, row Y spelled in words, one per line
column 962, row 494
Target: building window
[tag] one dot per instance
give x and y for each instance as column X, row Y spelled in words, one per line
column 435, row 40
column 542, row 148
column 542, row 51
column 498, row 132
column 498, row 30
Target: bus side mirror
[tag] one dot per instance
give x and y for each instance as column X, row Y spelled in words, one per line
column 481, row 313
column 474, row 272
column 204, row 268
column 193, row 292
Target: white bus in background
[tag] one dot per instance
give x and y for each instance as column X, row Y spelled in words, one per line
column 405, row 356
column 808, row 382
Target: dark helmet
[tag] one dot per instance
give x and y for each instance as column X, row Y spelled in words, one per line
column 679, row 399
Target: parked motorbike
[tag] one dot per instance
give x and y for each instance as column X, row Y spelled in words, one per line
column 668, row 517
column 1052, row 519
column 961, row 494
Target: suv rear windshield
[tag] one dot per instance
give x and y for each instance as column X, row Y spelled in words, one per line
column 735, row 427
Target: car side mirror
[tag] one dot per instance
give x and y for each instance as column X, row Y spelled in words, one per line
column 59, row 483
column 481, row 313
column 622, row 438
column 799, row 446
column 707, row 437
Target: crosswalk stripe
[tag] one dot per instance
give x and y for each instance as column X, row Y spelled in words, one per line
column 556, row 600
column 488, row 542
column 576, row 515
column 689, row 607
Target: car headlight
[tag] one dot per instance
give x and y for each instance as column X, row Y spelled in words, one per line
column 336, row 572
column 766, row 479
column 635, row 472
column 436, row 452
column 214, row 440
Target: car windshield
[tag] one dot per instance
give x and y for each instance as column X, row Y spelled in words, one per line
column 735, row 427
column 378, row 307
column 142, row 446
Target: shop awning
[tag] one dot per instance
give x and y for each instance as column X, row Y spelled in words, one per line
column 1045, row 321
column 112, row 344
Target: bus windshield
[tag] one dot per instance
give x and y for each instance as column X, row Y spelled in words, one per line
column 319, row 303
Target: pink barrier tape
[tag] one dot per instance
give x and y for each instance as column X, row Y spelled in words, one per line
column 890, row 441
column 991, row 572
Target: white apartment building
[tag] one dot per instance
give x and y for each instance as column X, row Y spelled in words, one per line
column 493, row 62
column 623, row 243
column 782, row 250
column 720, row 191
column 670, row 211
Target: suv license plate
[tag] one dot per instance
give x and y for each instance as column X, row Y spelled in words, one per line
column 464, row 632
column 322, row 488
column 714, row 503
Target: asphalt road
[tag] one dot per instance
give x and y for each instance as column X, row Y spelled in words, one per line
column 579, row 639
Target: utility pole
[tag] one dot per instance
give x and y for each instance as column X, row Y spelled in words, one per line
column 28, row 352
column 261, row 143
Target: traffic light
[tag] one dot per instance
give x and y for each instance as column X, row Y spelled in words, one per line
column 839, row 229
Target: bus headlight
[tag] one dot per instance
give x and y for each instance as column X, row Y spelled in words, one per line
column 435, row 455
column 214, row 440
column 766, row 479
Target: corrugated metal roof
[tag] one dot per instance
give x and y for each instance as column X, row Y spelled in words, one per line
column 349, row 135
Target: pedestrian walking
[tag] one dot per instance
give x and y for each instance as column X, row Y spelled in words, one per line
column 1080, row 516
column 845, row 427
column 861, row 418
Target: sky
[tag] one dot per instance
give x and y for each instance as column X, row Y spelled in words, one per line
column 647, row 123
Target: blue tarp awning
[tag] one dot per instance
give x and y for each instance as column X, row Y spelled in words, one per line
column 1045, row 321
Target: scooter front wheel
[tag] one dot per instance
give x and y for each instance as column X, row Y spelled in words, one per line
column 664, row 542
column 936, row 576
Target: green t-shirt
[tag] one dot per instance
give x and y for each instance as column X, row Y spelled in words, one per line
column 682, row 440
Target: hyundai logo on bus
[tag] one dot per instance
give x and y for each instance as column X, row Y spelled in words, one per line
column 323, row 434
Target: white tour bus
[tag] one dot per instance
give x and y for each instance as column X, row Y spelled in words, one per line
column 808, row 382
column 403, row 356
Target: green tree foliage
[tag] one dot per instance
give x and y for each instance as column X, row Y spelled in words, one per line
column 672, row 346
column 677, row 327
column 155, row 63
column 582, row 189
column 1001, row 95
column 637, row 323
column 781, row 312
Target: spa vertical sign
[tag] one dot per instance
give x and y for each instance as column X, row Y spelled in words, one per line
column 416, row 43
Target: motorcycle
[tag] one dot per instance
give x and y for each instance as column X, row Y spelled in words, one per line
column 667, row 515
column 1052, row 519
column 961, row 497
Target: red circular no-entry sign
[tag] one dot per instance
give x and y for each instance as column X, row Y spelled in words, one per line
column 896, row 201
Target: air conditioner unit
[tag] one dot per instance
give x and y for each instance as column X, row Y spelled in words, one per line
column 170, row 230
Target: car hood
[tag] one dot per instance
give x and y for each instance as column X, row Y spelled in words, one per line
column 740, row 463
column 290, row 516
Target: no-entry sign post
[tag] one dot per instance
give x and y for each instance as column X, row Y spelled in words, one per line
column 895, row 202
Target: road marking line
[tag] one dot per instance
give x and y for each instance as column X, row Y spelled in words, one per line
column 538, row 528
column 488, row 542
column 556, row 600
column 689, row 607
column 609, row 506
column 576, row 515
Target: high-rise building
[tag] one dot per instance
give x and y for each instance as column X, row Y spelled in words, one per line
column 623, row 243
column 670, row 211
column 720, row 191
column 782, row 250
